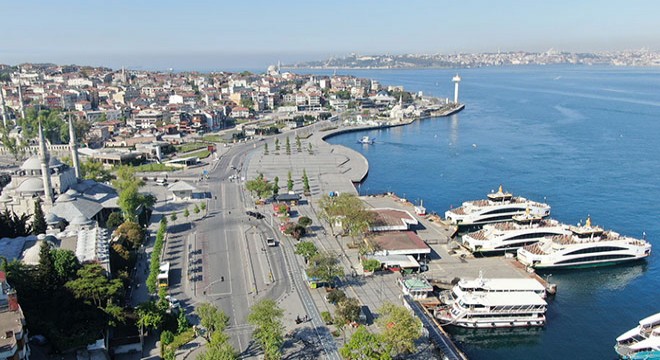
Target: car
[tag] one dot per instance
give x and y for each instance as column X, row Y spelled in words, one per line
column 174, row 303
column 271, row 242
column 255, row 214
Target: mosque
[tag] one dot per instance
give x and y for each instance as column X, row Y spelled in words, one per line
column 75, row 209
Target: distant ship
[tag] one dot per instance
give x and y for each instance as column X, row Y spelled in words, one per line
column 586, row 246
column 500, row 206
column 366, row 140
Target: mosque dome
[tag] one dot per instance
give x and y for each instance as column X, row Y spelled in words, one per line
column 31, row 185
column 52, row 219
column 34, row 163
column 80, row 220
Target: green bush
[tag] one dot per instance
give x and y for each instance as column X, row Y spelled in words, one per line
column 166, row 338
column 326, row 317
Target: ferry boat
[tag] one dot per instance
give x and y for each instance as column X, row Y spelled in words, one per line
column 524, row 230
column 494, row 310
column 642, row 341
column 482, row 285
column 586, row 246
column 500, row 206
column 366, row 140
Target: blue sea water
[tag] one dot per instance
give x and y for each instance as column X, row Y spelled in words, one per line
column 585, row 139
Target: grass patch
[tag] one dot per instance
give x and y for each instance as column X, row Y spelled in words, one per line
column 181, row 339
column 153, row 167
column 191, row 146
column 213, row 138
column 200, row 154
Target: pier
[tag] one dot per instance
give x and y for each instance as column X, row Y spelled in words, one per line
column 437, row 335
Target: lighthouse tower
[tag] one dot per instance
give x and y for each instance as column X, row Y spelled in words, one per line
column 456, row 79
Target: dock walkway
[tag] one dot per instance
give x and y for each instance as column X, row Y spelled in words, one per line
column 436, row 334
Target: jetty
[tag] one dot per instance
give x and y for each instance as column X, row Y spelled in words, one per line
column 437, row 335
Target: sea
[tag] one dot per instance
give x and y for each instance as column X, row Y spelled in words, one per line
column 584, row 139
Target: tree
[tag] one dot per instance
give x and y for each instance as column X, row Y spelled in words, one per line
column 221, row 351
column 348, row 310
column 173, row 217
column 266, row 316
column 182, row 322
column 114, row 220
column 212, row 319
column 248, row 103
column 149, row 316
column 131, row 201
column 348, row 208
column 166, row 337
column 260, row 186
column 266, row 149
column 202, row 206
column 65, row 264
column 297, row 231
column 305, row 221
column 336, row 296
column 277, row 144
column 288, row 146
column 276, row 185
column 93, row 287
column 186, row 213
column 305, row 179
column 196, row 209
column 306, row 249
column 94, row 170
column 12, row 225
column 289, row 182
column 39, row 220
column 131, row 234
column 371, row 265
column 325, row 267
column 298, row 144
column 400, row 328
column 364, row 345
column 309, row 148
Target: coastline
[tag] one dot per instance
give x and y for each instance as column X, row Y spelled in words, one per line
column 339, row 131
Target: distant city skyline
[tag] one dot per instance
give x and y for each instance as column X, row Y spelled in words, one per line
column 207, row 35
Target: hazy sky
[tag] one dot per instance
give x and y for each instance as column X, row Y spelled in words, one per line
column 241, row 33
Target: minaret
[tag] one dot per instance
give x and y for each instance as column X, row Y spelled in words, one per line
column 74, row 149
column 3, row 109
column 456, row 79
column 20, row 101
column 44, row 159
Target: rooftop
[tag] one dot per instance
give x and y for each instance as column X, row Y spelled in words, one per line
column 400, row 241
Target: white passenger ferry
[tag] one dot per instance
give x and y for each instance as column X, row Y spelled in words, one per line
column 494, row 310
column 500, row 206
column 483, row 285
column 641, row 341
column 501, row 237
column 586, row 246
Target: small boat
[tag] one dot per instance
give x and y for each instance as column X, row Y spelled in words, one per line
column 366, row 140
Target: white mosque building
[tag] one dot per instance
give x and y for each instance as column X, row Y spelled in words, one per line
column 73, row 207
